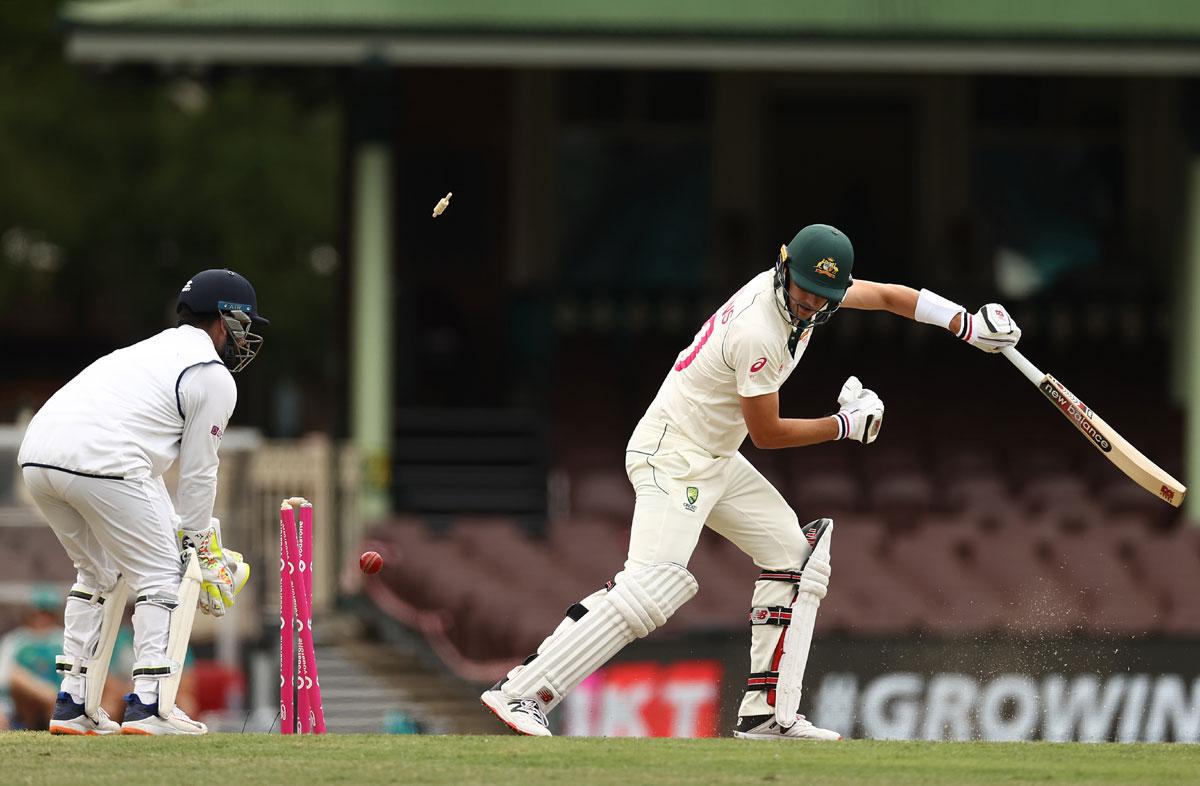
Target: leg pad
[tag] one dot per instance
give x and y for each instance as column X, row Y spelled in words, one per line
column 636, row 605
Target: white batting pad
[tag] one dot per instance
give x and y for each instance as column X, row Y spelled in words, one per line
column 641, row 601
column 814, row 583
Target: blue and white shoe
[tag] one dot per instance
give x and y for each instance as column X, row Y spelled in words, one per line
column 144, row 719
column 69, row 718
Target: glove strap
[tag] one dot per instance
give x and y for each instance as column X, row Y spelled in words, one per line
column 966, row 328
column 843, row 421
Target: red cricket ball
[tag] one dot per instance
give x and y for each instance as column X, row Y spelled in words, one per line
column 370, row 562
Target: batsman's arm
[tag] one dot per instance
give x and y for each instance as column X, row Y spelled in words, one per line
column 873, row 296
column 990, row 329
column 768, row 430
column 896, row 298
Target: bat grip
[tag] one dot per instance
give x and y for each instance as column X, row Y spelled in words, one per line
column 1031, row 372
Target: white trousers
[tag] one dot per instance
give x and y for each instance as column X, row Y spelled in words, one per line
column 680, row 489
column 110, row 527
column 731, row 498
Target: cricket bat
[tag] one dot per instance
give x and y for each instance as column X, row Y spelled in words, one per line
column 1102, row 436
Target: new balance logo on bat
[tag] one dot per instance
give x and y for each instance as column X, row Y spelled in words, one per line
column 1077, row 411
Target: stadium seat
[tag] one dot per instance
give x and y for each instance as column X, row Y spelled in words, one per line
column 979, row 493
column 1064, row 497
column 593, row 547
column 901, row 496
column 865, row 594
column 1019, row 563
column 1170, row 565
column 602, row 493
column 824, row 493
column 1099, row 574
column 943, row 562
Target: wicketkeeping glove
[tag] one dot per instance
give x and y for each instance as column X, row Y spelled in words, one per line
column 861, row 413
column 990, row 329
column 222, row 571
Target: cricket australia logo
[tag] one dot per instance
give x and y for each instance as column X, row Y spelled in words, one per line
column 693, row 494
column 826, row 267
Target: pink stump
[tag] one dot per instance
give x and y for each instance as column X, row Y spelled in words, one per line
column 287, row 615
column 314, row 711
column 308, row 714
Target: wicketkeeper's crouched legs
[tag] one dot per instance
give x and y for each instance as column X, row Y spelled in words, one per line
column 151, row 630
column 82, row 622
column 637, row 603
column 162, row 625
column 92, row 620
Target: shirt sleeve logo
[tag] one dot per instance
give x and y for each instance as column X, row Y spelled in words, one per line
column 216, row 432
column 758, row 365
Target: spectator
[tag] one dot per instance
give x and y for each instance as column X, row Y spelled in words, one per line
column 27, row 654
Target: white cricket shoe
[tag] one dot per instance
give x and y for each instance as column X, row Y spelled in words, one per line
column 69, row 718
column 764, row 727
column 524, row 716
column 144, row 719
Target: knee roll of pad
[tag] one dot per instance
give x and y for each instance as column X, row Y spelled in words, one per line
column 815, row 580
column 660, row 590
column 637, row 604
column 645, row 599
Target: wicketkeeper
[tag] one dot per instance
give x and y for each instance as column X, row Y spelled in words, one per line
column 93, row 458
column 686, row 472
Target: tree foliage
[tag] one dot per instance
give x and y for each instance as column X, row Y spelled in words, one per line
column 116, row 186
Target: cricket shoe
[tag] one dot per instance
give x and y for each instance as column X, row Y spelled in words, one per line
column 524, row 716
column 764, row 727
column 144, row 719
column 69, row 718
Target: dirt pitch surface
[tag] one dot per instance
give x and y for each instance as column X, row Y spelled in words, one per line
column 30, row 757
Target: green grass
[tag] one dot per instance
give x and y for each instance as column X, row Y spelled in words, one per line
column 27, row 757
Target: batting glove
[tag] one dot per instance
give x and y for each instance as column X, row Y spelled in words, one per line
column 990, row 329
column 861, row 414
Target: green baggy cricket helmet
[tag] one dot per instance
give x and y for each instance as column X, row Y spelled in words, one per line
column 819, row 260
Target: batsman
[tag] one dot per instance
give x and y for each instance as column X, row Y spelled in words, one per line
column 687, row 473
column 93, row 458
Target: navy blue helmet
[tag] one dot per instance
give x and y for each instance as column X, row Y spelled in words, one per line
column 229, row 295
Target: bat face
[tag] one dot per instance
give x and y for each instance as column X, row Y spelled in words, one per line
column 1128, row 459
column 1075, row 410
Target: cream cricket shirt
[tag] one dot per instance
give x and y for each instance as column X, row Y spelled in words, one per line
column 741, row 351
column 134, row 412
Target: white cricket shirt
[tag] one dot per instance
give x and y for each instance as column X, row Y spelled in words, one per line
column 134, row 412
column 741, row 351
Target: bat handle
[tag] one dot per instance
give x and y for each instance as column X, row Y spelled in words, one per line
column 1031, row 372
